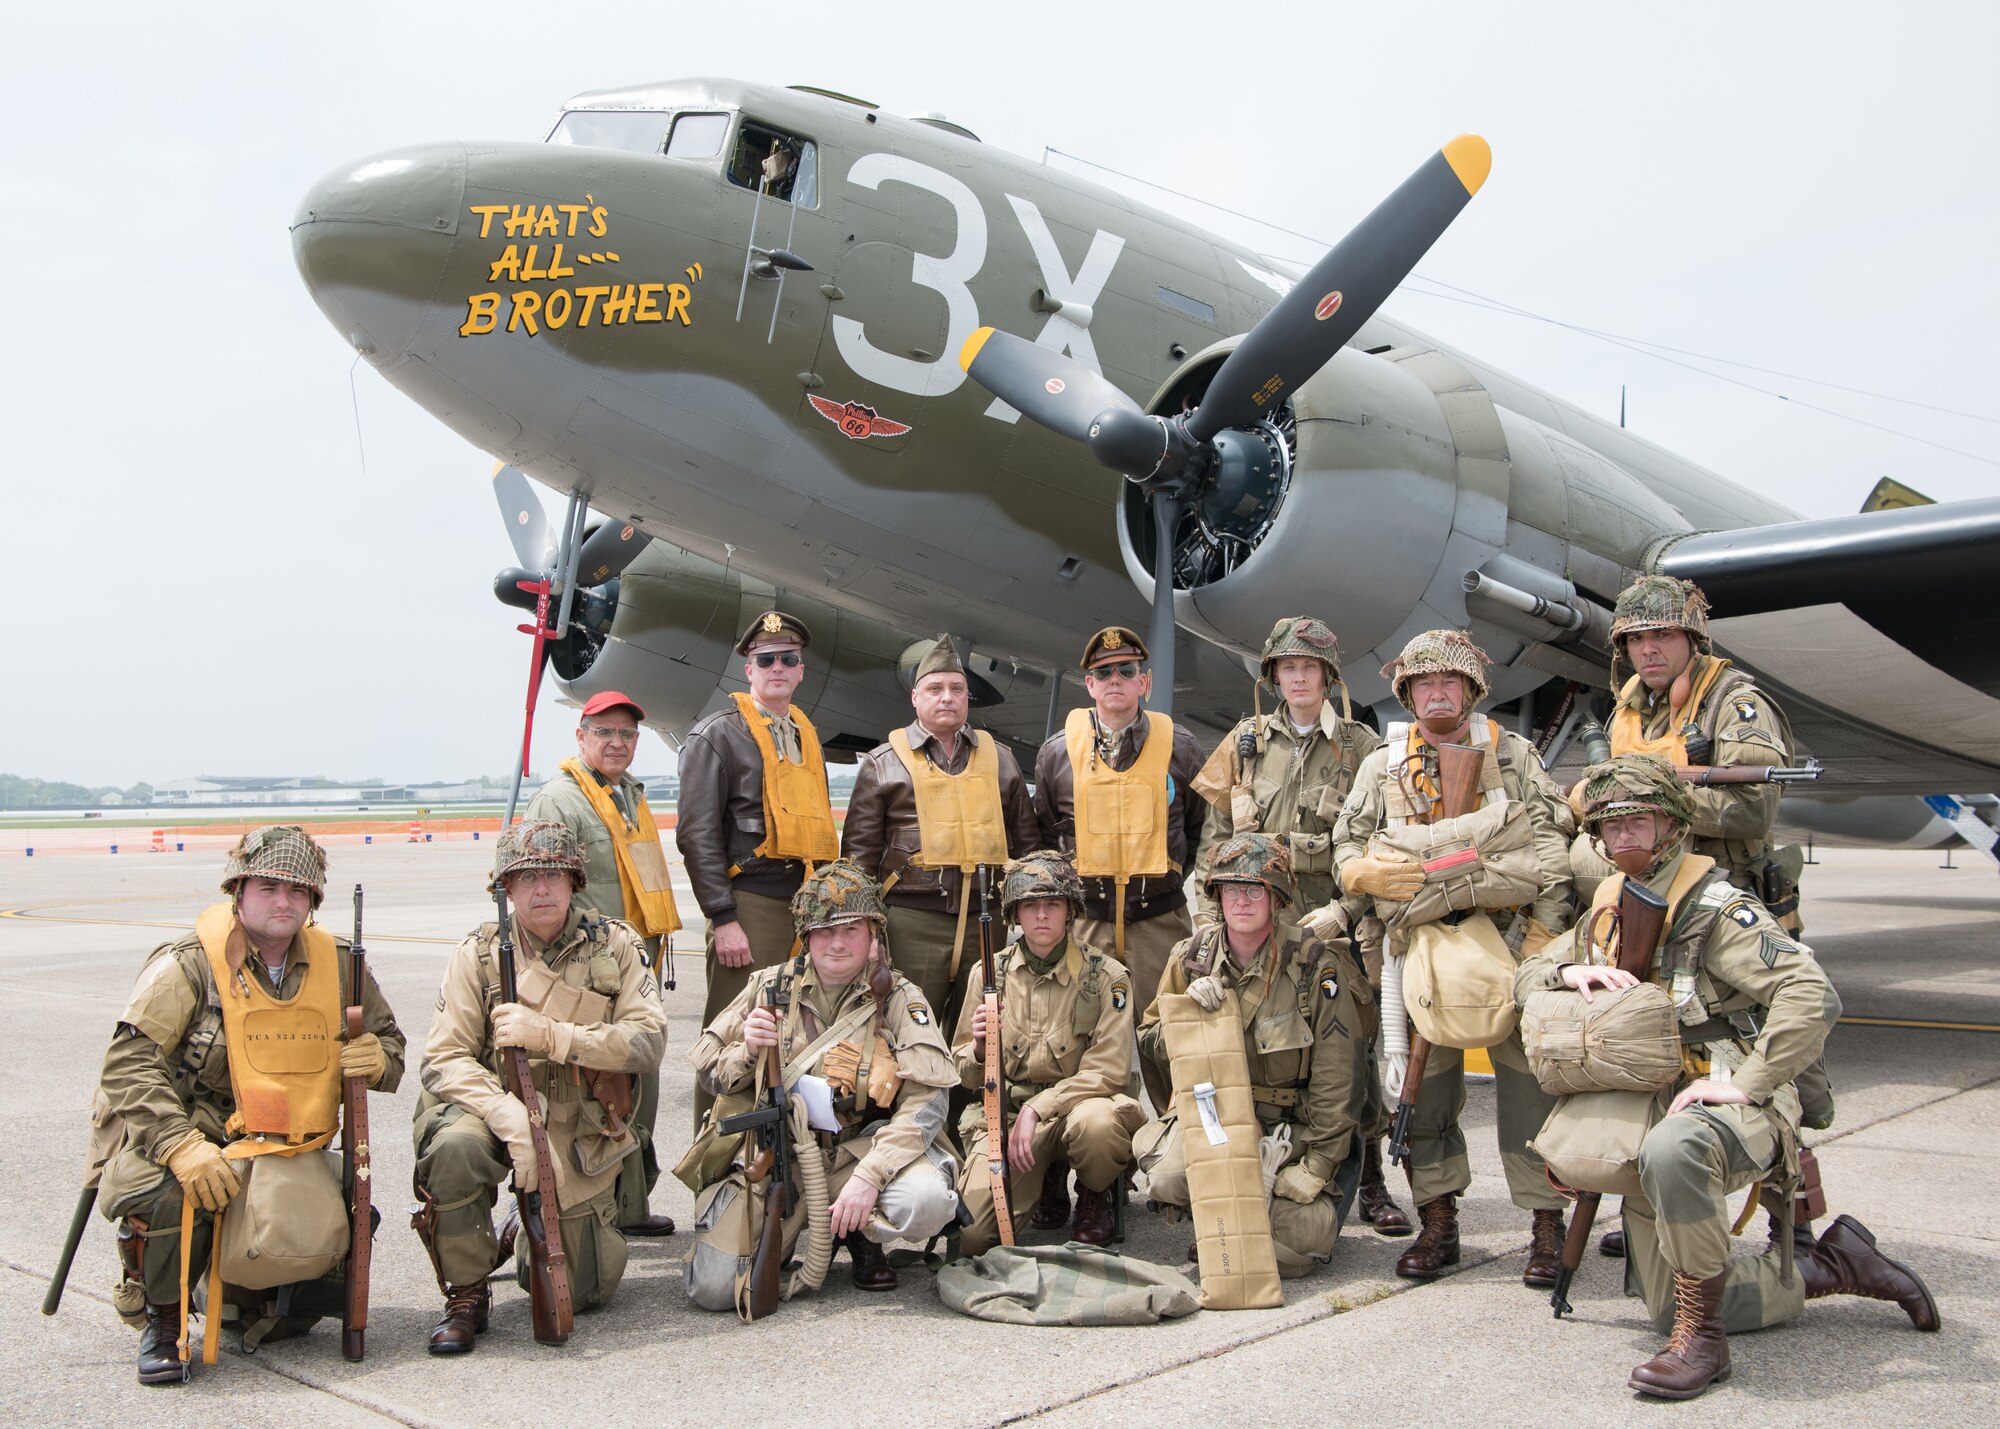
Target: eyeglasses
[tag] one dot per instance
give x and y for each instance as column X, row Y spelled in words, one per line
column 1245, row 892
column 612, row 734
column 537, row 877
column 790, row 659
column 1124, row 670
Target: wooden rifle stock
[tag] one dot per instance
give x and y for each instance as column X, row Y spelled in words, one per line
column 548, row 1266
column 995, row 1086
column 1459, row 770
column 355, row 1162
column 765, row 1291
column 1705, row 775
column 1638, row 923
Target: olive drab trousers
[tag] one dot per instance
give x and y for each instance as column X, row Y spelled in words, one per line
column 1438, row 1162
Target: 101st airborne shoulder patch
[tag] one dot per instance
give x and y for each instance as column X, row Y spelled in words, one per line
column 1746, row 710
column 1742, row 913
column 1120, row 994
column 920, row 1014
column 1329, row 986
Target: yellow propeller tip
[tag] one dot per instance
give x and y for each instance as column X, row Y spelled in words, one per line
column 971, row 349
column 1471, row 158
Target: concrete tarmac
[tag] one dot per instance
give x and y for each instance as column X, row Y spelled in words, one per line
column 1914, row 1156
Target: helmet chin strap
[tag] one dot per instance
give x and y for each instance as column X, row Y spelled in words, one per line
column 1639, row 862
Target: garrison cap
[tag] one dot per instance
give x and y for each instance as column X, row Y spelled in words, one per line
column 1253, row 858
column 1302, row 636
column 537, row 843
column 940, row 659
column 1114, row 642
column 1041, row 875
column 285, row 852
column 838, row 892
column 1635, row 784
column 612, row 700
column 774, row 630
column 1438, row 652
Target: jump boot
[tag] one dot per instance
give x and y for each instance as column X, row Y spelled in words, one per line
column 1545, row 1251
column 1052, row 1210
column 1378, row 1207
column 1613, row 1244
column 465, row 1312
column 1696, row 1354
column 1436, row 1245
column 872, row 1270
column 1095, row 1219
column 159, row 1346
column 1844, row 1261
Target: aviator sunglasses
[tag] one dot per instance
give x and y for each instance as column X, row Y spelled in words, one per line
column 788, row 658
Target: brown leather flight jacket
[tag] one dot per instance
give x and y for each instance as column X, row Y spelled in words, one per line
column 720, row 819
column 881, row 829
column 1055, row 808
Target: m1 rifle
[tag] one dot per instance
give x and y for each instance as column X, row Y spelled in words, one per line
column 356, row 1173
column 1460, row 767
column 1637, row 923
column 1705, row 775
column 995, row 1086
column 548, row 1266
column 771, row 1167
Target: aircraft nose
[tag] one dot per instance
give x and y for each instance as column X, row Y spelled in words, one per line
column 372, row 239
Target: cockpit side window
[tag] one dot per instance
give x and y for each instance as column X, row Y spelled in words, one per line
column 784, row 165
column 698, row 136
column 639, row 131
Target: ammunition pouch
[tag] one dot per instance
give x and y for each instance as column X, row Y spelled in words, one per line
column 1777, row 877
column 288, row 1223
column 1458, row 983
column 1626, row 1040
column 728, row 1224
column 1484, row 859
column 129, row 1299
column 712, row 1153
column 1591, row 1140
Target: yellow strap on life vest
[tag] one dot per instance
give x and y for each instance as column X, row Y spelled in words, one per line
column 642, row 862
column 798, row 820
column 1628, row 724
column 284, row 1062
column 1694, row 867
column 1121, row 817
column 1411, row 796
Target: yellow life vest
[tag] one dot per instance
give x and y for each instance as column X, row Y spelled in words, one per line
column 1121, row 817
column 959, row 823
column 642, row 863
column 1694, row 867
column 798, row 820
column 1410, row 795
column 1628, row 724
column 284, row 1059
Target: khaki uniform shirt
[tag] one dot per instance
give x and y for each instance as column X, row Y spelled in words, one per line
column 1298, row 783
column 167, row 1070
column 562, row 801
column 1321, row 1056
column 727, row 1065
column 1522, row 778
column 1049, row 1065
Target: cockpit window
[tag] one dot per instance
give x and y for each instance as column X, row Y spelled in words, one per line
column 784, row 165
column 698, row 136
column 639, row 131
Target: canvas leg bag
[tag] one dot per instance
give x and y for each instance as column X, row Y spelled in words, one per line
column 1458, row 983
column 1225, row 1181
column 288, row 1223
column 1591, row 1140
column 1627, row 1040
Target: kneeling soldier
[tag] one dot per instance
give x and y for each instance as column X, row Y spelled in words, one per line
column 1066, row 1046
column 1309, row 1021
column 195, row 1112
column 589, row 1019
column 1754, row 1008
column 889, row 1173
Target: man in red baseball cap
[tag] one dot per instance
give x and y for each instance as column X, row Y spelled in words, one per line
column 625, row 876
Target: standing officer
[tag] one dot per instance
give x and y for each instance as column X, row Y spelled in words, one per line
column 193, row 1111
column 589, row 1019
column 754, row 814
column 1756, row 1011
column 1440, row 677
column 1066, row 1050
column 933, row 803
column 1114, row 793
column 1306, row 1026
column 888, row 1171
column 596, row 798
column 1287, row 774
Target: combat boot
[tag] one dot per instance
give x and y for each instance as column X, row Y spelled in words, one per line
column 1844, row 1261
column 159, row 1346
column 872, row 1270
column 1378, row 1207
column 1696, row 1354
column 1436, row 1245
column 1545, row 1251
column 1613, row 1244
column 465, row 1311
column 1095, row 1219
column 1052, row 1210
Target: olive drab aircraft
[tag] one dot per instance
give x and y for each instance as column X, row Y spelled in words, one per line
column 778, row 346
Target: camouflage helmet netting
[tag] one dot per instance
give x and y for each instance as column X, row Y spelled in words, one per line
column 285, row 852
column 1253, row 858
column 1041, row 875
column 1659, row 603
column 1635, row 784
column 1438, row 652
column 1303, row 636
column 539, row 843
column 837, row 892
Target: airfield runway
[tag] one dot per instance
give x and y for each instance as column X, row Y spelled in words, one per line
column 1914, row 949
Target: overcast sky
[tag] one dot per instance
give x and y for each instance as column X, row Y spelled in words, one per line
column 208, row 579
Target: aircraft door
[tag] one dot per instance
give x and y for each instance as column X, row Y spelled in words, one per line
column 771, row 204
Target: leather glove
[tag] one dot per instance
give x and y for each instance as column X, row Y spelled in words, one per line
column 508, row 1120
column 363, row 1058
column 517, row 1026
column 840, row 1066
column 1207, row 993
column 1326, row 923
column 1295, row 1183
column 1538, row 936
column 205, row 1175
column 1378, row 878
column 885, row 1078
